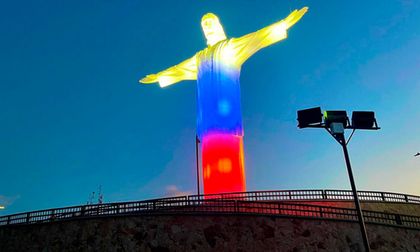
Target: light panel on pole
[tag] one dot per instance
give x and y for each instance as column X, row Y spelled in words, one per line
column 336, row 116
column 309, row 117
column 363, row 120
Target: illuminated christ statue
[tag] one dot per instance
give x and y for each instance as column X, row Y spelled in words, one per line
column 219, row 122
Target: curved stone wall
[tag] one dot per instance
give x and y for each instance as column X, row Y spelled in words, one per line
column 204, row 233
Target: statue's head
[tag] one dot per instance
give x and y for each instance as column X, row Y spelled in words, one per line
column 212, row 29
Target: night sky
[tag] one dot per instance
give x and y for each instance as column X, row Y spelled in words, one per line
column 73, row 115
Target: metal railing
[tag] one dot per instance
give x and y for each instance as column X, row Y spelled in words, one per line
column 281, row 195
column 261, row 202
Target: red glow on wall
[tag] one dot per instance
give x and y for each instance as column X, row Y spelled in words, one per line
column 223, row 163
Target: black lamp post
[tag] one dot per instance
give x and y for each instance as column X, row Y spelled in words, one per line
column 197, row 164
column 335, row 122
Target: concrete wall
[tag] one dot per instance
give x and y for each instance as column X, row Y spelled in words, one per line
column 204, row 233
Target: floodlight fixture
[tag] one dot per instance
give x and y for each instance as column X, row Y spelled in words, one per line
column 336, row 116
column 309, row 117
column 364, row 120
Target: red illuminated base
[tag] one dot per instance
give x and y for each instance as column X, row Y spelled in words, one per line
column 223, row 163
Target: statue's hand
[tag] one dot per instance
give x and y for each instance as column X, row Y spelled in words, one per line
column 151, row 78
column 295, row 16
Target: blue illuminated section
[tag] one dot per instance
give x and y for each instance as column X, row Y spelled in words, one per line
column 218, row 94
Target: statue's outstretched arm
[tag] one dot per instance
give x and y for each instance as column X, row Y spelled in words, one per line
column 249, row 44
column 186, row 70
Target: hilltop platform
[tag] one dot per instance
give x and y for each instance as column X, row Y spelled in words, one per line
column 286, row 220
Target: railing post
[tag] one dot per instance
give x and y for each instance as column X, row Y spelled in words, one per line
column 406, row 198
column 8, row 220
column 154, row 205
column 27, row 218
column 118, row 208
column 52, row 217
column 398, row 219
column 82, row 211
column 290, row 195
column 383, row 196
column 320, row 212
column 324, row 194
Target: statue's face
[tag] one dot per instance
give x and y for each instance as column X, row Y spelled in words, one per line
column 212, row 29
